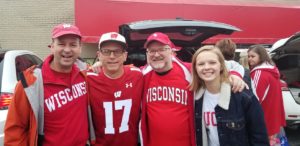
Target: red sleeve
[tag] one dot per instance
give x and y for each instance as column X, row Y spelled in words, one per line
column 17, row 122
column 143, row 122
column 236, row 73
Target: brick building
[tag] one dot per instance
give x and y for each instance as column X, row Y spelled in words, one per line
column 27, row 24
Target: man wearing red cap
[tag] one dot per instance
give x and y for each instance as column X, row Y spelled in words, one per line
column 167, row 106
column 50, row 103
column 115, row 94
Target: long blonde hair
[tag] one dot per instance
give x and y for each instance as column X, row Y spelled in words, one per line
column 197, row 83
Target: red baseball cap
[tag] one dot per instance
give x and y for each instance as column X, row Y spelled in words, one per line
column 160, row 37
column 63, row 29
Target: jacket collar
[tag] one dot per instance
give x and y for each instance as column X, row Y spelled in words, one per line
column 49, row 75
column 225, row 94
column 264, row 65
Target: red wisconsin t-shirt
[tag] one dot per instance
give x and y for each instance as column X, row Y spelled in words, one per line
column 116, row 107
column 65, row 108
column 168, row 104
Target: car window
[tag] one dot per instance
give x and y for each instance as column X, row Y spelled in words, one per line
column 23, row 62
column 1, row 67
column 288, row 62
column 186, row 53
column 137, row 56
column 35, row 59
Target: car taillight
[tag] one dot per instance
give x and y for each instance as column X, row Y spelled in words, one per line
column 5, row 100
column 284, row 86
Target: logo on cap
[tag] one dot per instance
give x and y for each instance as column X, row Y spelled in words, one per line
column 64, row 29
column 66, row 25
column 159, row 37
column 114, row 35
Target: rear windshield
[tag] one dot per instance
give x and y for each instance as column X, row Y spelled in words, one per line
column 289, row 67
column 137, row 56
column 288, row 62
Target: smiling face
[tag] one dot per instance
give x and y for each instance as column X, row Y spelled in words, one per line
column 208, row 67
column 112, row 55
column 159, row 56
column 66, row 49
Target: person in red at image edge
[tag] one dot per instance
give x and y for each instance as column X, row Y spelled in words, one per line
column 115, row 94
column 266, row 86
column 167, row 105
column 50, row 103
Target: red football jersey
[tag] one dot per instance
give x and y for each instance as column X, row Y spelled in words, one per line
column 169, row 108
column 116, row 107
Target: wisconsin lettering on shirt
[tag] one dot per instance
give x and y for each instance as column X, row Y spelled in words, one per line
column 65, row 96
column 210, row 119
column 166, row 93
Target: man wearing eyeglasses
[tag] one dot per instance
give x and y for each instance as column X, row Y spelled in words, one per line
column 115, row 94
column 167, row 106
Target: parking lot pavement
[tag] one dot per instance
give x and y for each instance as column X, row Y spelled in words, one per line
column 293, row 136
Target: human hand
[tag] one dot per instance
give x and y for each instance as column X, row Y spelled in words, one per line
column 237, row 83
column 96, row 67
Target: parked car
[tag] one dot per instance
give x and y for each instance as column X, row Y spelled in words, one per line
column 12, row 62
column 286, row 54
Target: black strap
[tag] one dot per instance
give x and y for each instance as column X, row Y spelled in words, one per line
column 40, row 140
column 40, row 65
column 23, row 80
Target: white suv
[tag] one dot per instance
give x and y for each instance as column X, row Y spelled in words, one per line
column 12, row 62
column 286, row 54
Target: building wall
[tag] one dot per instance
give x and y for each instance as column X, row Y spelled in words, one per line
column 89, row 52
column 27, row 24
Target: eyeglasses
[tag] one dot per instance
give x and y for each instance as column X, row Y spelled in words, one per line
column 159, row 50
column 117, row 52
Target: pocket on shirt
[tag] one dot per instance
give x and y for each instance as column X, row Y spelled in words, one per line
column 235, row 125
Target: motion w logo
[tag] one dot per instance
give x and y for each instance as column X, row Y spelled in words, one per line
column 117, row 94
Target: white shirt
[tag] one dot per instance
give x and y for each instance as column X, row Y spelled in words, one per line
column 210, row 101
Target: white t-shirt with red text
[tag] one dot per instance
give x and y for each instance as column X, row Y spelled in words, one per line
column 210, row 101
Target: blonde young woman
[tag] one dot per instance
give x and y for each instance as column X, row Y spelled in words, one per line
column 221, row 116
